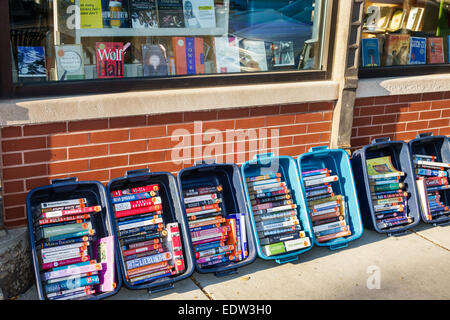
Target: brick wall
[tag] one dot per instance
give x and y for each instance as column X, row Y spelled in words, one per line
column 103, row 149
column 400, row 117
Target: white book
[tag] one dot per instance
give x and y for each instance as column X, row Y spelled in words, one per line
column 431, row 164
column 140, row 224
column 199, row 13
column 314, row 182
column 297, row 244
column 253, row 55
column 200, row 198
column 329, row 226
column 127, row 205
column 319, row 213
column 227, row 54
column 69, row 62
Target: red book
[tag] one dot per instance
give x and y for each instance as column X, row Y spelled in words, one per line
column 132, row 212
column 110, row 62
column 189, row 56
column 435, row 50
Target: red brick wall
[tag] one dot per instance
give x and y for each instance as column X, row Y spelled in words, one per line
column 400, row 117
column 103, row 149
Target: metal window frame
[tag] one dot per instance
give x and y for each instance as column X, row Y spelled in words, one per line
column 9, row 89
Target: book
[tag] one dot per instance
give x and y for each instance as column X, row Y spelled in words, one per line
column 115, row 14
column 153, row 188
column 109, row 60
column 280, row 54
column 199, row 14
column 414, row 21
column 379, row 167
column 189, row 55
column 226, row 51
column 396, row 49
column 418, row 50
column 422, row 192
column 143, row 14
column 377, row 18
column 397, row 20
column 69, row 62
column 91, row 14
column 31, row 62
column 170, row 14
column 154, row 60
column 252, row 55
column 370, row 52
column 435, row 50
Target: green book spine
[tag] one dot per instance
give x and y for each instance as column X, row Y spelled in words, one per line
column 65, row 229
column 386, row 187
column 274, row 249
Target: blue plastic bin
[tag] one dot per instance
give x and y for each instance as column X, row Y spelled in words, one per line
column 402, row 160
column 71, row 188
column 268, row 163
column 211, row 174
column 438, row 146
column 338, row 161
column 172, row 212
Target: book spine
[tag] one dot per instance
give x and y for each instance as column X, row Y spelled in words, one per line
column 214, row 251
column 325, row 216
column 132, row 212
column 193, row 210
column 74, row 290
column 320, row 181
column 154, row 276
column 148, row 273
column 438, row 188
column 282, row 237
column 334, row 236
column 385, row 225
column 208, row 215
column 262, row 195
column 138, row 224
column 61, row 213
column 151, row 228
column 276, row 215
column 198, row 235
column 387, row 175
column 209, row 222
column 329, row 226
column 63, row 219
column 266, row 187
column 137, row 204
column 208, row 239
column 150, row 188
column 141, row 244
column 75, row 295
column 325, row 191
column 318, row 187
column 209, row 245
column 387, row 187
column 75, row 206
column 142, row 249
column 297, row 244
column 75, row 282
column 272, row 205
column 331, row 231
column 324, row 205
column 432, row 173
column 315, row 172
column 263, row 177
column 274, row 249
column 263, row 192
column 322, row 211
column 217, row 260
column 63, row 203
column 71, row 271
column 321, row 197
column 132, row 264
column 45, row 266
column 279, row 231
column 147, row 268
column 83, row 244
column 132, row 197
column 382, row 182
column 201, row 191
column 65, row 229
column 204, row 197
column 315, row 177
column 431, row 163
column 263, row 182
column 276, row 209
column 203, row 203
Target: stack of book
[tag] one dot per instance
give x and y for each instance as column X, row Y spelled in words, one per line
column 326, row 209
column 151, row 248
column 68, row 250
column 217, row 238
column 432, row 179
column 388, row 193
column 275, row 215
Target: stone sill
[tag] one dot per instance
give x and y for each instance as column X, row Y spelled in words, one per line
column 377, row 87
column 33, row 111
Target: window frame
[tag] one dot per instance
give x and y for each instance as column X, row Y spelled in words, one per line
column 11, row 90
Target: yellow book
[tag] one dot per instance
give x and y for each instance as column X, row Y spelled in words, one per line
column 91, row 16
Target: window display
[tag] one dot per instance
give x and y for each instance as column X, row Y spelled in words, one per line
column 73, row 40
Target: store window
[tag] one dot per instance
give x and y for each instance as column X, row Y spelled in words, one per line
column 80, row 40
column 406, row 33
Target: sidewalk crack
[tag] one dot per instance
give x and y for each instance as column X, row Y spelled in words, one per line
column 201, row 288
column 433, row 242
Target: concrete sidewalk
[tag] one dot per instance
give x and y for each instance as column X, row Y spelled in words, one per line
column 412, row 266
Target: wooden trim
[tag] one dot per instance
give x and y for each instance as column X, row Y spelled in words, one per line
column 5, row 54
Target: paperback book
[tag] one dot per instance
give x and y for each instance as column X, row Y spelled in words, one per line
column 143, row 14
column 417, row 50
column 110, row 60
column 31, row 62
column 154, row 60
column 199, row 14
column 170, row 14
column 69, row 62
column 370, row 52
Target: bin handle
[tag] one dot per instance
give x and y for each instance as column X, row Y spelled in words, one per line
column 64, row 180
column 207, row 161
column 378, row 140
column 136, row 172
column 319, row 148
column 425, row 134
column 262, row 156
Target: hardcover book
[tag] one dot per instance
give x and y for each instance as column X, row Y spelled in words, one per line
column 396, row 49
column 189, row 56
column 143, row 14
column 170, row 14
column 370, row 53
column 199, row 14
column 253, row 55
column 91, row 16
column 69, row 62
column 226, row 54
column 154, row 60
column 31, row 62
column 115, row 14
column 397, row 19
column 110, row 60
column 417, row 50
column 414, row 19
column 435, row 50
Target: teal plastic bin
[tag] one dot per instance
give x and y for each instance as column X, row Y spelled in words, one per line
column 338, row 161
column 268, row 163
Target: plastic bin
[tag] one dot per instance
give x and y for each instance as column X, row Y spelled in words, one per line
column 338, row 161
column 438, row 146
column 211, row 174
column 402, row 160
column 172, row 212
column 70, row 188
column 268, row 163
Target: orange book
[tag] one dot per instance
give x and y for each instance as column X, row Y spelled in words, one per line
column 189, row 56
column 232, row 237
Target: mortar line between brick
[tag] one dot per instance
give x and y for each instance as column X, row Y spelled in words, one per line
column 201, row 288
column 433, row 242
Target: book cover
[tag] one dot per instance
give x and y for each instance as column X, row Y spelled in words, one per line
column 170, row 14
column 435, row 50
column 199, row 14
column 226, row 54
column 396, row 49
column 143, row 14
column 105, row 256
column 417, row 50
column 279, row 54
column 69, row 62
column 91, row 15
column 189, row 57
column 380, row 166
column 397, row 19
column 110, row 60
column 414, row 19
column 31, row 62
column 115, row 14
column 370, row 52
column 252, row 55
column 154, row 60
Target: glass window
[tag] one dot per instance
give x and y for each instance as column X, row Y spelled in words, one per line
column 72, row 40
column 405, row 32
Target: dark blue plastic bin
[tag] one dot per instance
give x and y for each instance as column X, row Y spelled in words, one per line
column 228, row 175
column 438, row 146
column 268, row 163
column 402, row 160
column 70, row 188
column 338, row 161
column 172, row 212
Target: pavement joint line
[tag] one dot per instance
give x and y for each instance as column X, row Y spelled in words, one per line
column 201, row 288
column 433, row 242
